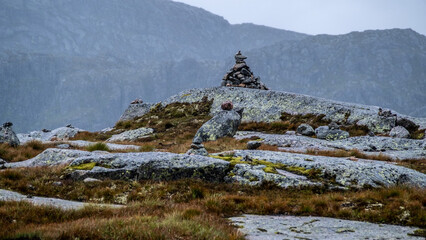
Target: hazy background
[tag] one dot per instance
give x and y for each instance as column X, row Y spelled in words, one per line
column 321, row 16
column 82, row 62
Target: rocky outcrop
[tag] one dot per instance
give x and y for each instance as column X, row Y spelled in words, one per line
column 135, row 110
column 256, row 227
column 58, row 134
column 7, row 135
column 394, row 148
column 341, row 172
column 131, row 135
column 305, row 129
column 224, row 123
column 399, row 132
column 268, row 106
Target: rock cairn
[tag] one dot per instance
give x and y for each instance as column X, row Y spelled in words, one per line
column 241, row 76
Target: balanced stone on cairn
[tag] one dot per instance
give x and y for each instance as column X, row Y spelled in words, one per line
column 241, row 76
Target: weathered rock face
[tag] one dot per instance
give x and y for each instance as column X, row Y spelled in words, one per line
column 184, row 166
column 135, row 110
column 339, row 171
column 225, row 123
column 132, row 135
column 306, row 130
column 7, row 135
column 394, row 148
column 51, row 157
column 267, row 106
column 59, row 134
column 399, row 132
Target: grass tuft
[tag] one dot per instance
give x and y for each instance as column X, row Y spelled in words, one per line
column 98, row 147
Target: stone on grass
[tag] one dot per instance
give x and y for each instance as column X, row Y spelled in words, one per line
column 324, row 132
column 88, row 180
column 7, row 135
column 227, row 105
column 197, row 149
column 131, row 135
column 305, row 129
column 399, row 132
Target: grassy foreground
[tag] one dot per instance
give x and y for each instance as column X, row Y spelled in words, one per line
column 184, row 209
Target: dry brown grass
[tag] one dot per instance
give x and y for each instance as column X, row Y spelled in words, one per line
column 387, row 205
column 22, row 152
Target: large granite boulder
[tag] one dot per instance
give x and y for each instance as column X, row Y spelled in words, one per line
column 305, row 129
column 131, row 135
column 399, row 132
column 7, row 135
column 225, row 123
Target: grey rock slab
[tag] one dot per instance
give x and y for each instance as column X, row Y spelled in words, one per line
column 50, row 157
column 342, row 171
column 59, row 134
column 395, row 148
column 6, row 195
column 267, row 106
column 131, row 135
column 316, row 228
column 254, row 175
column 224, row 123
column 136, row 110
column 152, row 165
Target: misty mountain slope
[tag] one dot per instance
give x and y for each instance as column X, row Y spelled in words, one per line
column 82, row 62
column 385, row 68
column 136, row 30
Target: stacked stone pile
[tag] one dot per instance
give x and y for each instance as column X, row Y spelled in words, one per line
column 241, row 75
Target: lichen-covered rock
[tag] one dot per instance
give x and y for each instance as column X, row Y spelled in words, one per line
column 394, row 148
column 305, row 129
column 59, row 134
column 225, row 123
column 324, row 132
column 184, row 166
column 131, row 135
column 407, row 124
column 267, row 106
column 148, row 165
column 399, row 132
column 135, row 110
column 255, row 175
column 7, row 135
column 50, row 157
column 340, row 171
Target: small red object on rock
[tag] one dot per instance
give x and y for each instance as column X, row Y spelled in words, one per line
column 227, row 105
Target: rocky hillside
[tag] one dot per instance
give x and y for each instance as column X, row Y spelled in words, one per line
column 82, row 62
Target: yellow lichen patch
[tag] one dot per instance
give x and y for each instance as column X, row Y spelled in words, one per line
column 84, row 166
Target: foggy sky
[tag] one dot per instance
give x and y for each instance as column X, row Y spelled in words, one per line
column 321, row 16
